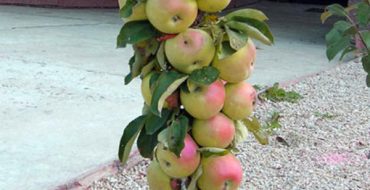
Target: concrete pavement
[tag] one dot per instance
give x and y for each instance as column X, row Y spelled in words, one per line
column 63, row 104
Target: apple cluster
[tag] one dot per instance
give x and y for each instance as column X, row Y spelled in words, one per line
column 214, row 109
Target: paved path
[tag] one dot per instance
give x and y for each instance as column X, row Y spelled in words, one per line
column 63, row 104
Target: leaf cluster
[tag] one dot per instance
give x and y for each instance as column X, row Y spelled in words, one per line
column 346, row 29
column 277, row 94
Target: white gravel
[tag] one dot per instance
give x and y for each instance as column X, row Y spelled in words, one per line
column 328, row 133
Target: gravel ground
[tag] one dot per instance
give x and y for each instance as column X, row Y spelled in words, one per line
column 328, row 136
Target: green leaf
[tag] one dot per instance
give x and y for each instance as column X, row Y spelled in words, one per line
column 210, row 151
column 262, row 27
column 254, row 126
column 335, row 48
column 204, row 76
column 349, row 49
column 337, row 10
column 129, row 77
column 167, row 83
column 277, row 94
column 327, row 14
column 366, row 63
column 225, row 50
column 260, row 33
column 363, row 14
column 128, row 138
column 195, row 177
column 153, row 122
column 146, row 143
column 237, row 39
column 366, row 37
column 147, row 68
column 126, row 10
column 241, row 132
column 368, row 80
column 247, row 13
column 176, row 134
column 345, row 27
column 161, row 57
column 134, row 32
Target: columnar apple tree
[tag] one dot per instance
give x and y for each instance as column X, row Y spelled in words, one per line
column 193, row 62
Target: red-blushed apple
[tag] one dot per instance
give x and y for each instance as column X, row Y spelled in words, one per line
column 238, row 66
column 172, row 101
column 190, row 50
column 218, row 131
column 179, row 167
column 171, row 16
column 239, row 101
column 212, row 6
column 138, row 11
column 157, row 179
column 204, row 102
column 220, row 173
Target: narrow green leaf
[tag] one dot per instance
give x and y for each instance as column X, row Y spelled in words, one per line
column 204, row 76
column 345, row 27
column 153, row 122
column 195, row 177
column 262, row 27
column 327, row 14
column 247, row 13
column 337, row 10
column 147, row 68
column 366, row 37
column 146, row 143
column 254, row 126
column 161, row 57
column 210, row 151
column 126, row 10
column 241, row 132
column 128, row 138
column 253, row 32
column 134, row 32
column 237, row 39
column 176, row 134
column 366, row 63
column 129, row 76
column 167, row 83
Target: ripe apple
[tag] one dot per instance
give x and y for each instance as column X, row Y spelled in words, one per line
column 238, row 66
column 172, row 101
column 157, row 179
column 190, row 50
column 239, row 101
column 179, row 167
column 212, row 6
column 204, row 102
column 220, row 173
column 138, row 11
column 218, row 131
column 171, row 16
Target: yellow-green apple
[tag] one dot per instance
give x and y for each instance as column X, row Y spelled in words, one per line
column 218, row 131
column 171, row 16
column 238, row 66
column 157, row 179
column 204, row 102
column 190, row 50
column 239, row 101
column 212, row 6
column 138, row 11
column 182, row 166
column 220, row 173
column 172, row 101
